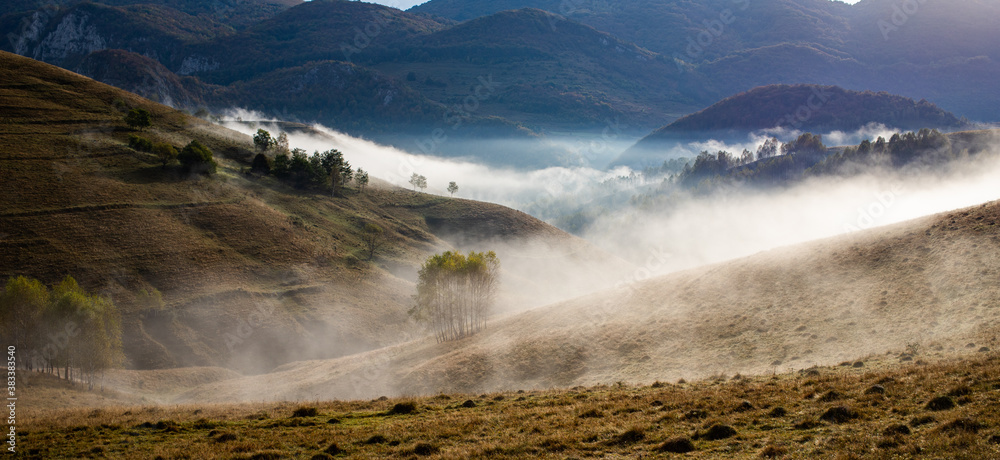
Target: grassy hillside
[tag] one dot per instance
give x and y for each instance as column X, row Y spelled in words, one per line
column 929, row 283
column 227, row 250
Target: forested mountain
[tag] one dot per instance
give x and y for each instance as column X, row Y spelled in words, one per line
column 792, row 108
column 234, row 13
column 942, row 51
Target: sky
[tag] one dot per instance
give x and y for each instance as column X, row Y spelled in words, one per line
column 405, row 4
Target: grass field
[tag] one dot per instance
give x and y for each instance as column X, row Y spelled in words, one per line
column 934, row 408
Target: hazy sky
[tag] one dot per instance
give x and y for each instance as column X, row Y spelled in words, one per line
column 404, row 4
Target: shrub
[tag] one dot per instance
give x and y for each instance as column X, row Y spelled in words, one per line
column 305, row 412
column 424, row 448
column 196, row 158
column 839, row 414
column 261, row 165
column 941, row 403
column 718, row 432
column 377, row 439
column 966, row 424
column 139, row 119
column 165, row 152
column 631, row 436
column 677, row 446
column 403, row 408
column 140, row 143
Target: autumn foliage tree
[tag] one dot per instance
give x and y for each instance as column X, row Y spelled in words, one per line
column 64, row 328
column 455, row 292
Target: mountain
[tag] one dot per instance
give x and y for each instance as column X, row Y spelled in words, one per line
column 254, row 273
column 943, row 52
column 233, row 13
column 312, row 31
column 918, row 284
column 803, row 108
column 550, row 72
column 551, row 68
column 64, row 36
column 143, row 76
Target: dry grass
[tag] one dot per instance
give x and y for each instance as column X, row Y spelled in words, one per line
column 738, row 418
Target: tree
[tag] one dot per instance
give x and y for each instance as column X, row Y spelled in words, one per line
column 361, row 177
column 372, row 236
column 97, row 344
column 165, row 152
column 452, row 188
column 282, row 162
column 768, row 149
column 261, row 165
column 139, row 119
column 455, row 293
column 23, row 301
column 281, row 144
column 62, row 328
column 338, row 170
column 416, row 180
column 196, row 158
column 263, row 141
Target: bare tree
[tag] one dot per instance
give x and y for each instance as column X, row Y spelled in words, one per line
column 373, row 237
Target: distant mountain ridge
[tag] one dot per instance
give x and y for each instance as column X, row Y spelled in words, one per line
column 794, row 108
column 740, row 44
column 565, row 67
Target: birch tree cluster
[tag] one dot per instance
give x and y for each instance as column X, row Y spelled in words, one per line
column 61, row 329
column 456, row 292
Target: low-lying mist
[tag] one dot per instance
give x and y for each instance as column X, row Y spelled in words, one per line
column 695, row 229
column 827, row 301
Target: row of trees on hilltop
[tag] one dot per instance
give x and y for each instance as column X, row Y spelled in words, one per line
column 928, row 146
column 455, row 293
column 61, row 328
column 776, row 163
column 327, row 170
column 773, row 162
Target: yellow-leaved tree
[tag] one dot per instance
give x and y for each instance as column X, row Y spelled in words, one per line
column 456, row 292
